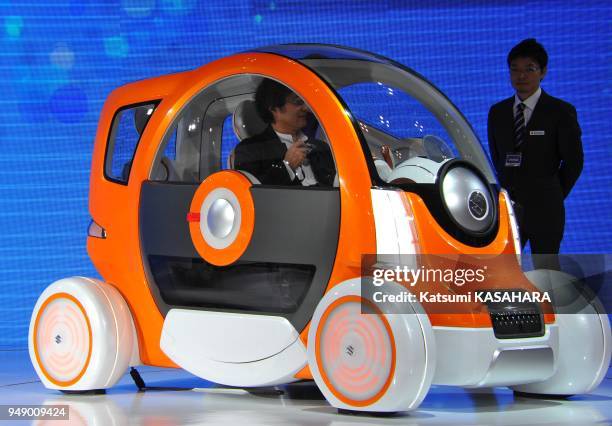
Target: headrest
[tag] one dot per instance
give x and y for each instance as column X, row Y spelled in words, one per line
column 246, row 120
column 141, row 117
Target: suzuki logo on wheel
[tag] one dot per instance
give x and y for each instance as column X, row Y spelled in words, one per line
column 58, row 339
column 350, row 350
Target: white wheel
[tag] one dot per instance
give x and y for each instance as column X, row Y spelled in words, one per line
column 370, row 361
column 356, row 352
column 583, row 356
column 81, row 335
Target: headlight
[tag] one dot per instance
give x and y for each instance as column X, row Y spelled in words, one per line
column 95, row 230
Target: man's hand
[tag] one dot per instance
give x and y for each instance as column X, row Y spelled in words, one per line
column 296, row 154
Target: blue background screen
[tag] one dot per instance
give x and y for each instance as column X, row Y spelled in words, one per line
column 60, row 59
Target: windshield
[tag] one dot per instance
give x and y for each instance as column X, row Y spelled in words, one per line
column 410, row 127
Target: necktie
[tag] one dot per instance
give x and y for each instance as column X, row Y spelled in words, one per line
column 519, row 125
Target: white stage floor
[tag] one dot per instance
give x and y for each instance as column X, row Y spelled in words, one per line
column 298, row 404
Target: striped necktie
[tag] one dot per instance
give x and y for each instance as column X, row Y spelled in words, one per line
column 519, row 125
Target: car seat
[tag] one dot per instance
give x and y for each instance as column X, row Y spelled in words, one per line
column 246, row 122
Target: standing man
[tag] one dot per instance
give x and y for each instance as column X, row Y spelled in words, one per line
column 535, row 146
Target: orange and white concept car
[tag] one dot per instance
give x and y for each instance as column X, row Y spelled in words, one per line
column 251, row 285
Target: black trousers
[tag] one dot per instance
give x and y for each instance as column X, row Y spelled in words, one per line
column 543, row 230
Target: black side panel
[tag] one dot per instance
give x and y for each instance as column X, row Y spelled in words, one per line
column 300, row 227
column 283, row 272
column 163, row 219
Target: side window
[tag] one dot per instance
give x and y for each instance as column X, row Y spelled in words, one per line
column 202, row 139
column 178, row 157
column 395, row 114
column 401, row 132
column 127, row 127
column 282, row 147
column 170, row 151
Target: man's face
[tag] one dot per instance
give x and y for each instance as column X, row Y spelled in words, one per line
column 292, row 116
column 525, row 75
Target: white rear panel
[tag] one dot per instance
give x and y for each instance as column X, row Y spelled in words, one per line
column 233, row 349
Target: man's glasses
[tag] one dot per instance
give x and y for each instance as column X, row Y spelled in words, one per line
column 295, row 100
column 532, row 69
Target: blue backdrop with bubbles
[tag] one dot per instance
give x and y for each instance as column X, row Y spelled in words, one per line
column 60, row 59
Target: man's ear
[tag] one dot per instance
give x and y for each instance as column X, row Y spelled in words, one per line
column 543, row 73
column 274, row 111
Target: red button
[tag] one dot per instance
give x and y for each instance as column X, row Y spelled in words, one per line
column 193, row 217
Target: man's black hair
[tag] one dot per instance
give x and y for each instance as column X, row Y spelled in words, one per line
column 270, row 94
column 529, row 48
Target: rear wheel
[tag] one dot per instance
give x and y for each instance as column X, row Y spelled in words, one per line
column 81, row 335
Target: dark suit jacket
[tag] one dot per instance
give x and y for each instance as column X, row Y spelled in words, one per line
column 551, row 162
column 262, row 156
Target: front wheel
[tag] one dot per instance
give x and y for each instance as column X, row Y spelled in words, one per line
column 367, row 358
column 583, row 355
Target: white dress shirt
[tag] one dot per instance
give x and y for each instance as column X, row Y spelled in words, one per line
column 304, row 172
column 530, row 104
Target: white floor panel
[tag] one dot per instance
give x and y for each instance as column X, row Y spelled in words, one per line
column 298, row 404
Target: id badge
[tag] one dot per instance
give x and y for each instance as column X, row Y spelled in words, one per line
column 513, row 159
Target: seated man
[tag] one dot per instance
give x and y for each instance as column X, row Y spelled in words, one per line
column 282, row 154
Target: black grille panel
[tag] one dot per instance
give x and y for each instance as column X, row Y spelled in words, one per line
column 516, row 320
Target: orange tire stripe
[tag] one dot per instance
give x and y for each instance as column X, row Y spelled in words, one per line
column 337, row 394
column 36, row 351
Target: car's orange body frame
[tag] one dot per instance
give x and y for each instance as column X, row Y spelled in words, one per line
column 116, row 207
